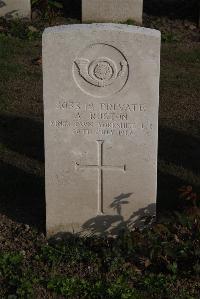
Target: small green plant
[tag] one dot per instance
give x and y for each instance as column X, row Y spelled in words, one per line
column 35, row 2
column 25, row 287
column 13, row 276
column 10, row 269
column 21, row 30
column 154, row 283
column 121, row 289
column 18, row 29
column 169, row 37
column 49, row 8
column 188, row 195
column 131, row 22
column 10, row 264
column 52, row 10
column 69, row 286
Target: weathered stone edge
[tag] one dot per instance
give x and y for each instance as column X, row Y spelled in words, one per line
column 104, row 27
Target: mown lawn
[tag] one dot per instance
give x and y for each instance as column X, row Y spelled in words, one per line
column 162, row 261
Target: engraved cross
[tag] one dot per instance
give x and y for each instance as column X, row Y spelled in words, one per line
column 101, row 167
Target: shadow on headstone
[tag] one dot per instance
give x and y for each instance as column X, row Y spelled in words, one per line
column 115, row 224
column 110, row 225
column 2, row 4
column 11, row 14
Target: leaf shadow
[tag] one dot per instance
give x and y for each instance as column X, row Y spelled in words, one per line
column 2, row 3
column 113, row 225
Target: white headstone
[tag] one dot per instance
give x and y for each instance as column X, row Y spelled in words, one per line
column 112, row 10
column 101, row 96
column 15, row 9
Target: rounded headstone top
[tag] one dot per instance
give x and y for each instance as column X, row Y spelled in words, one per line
column 104, row 27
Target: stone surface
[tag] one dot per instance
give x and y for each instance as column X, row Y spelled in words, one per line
column 101, row 96
column 15, row 9
column 112, row 10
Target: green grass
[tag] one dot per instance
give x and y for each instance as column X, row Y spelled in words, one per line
column 20, row 80
column 161, row 262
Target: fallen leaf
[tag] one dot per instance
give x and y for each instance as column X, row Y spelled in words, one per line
column 37, row 61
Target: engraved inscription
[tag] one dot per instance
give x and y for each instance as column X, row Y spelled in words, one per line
column 100, row 167
column 118, row 107
column 100, row 76
column 103, row 119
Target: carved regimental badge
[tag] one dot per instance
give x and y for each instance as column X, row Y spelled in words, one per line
column 100, row 70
